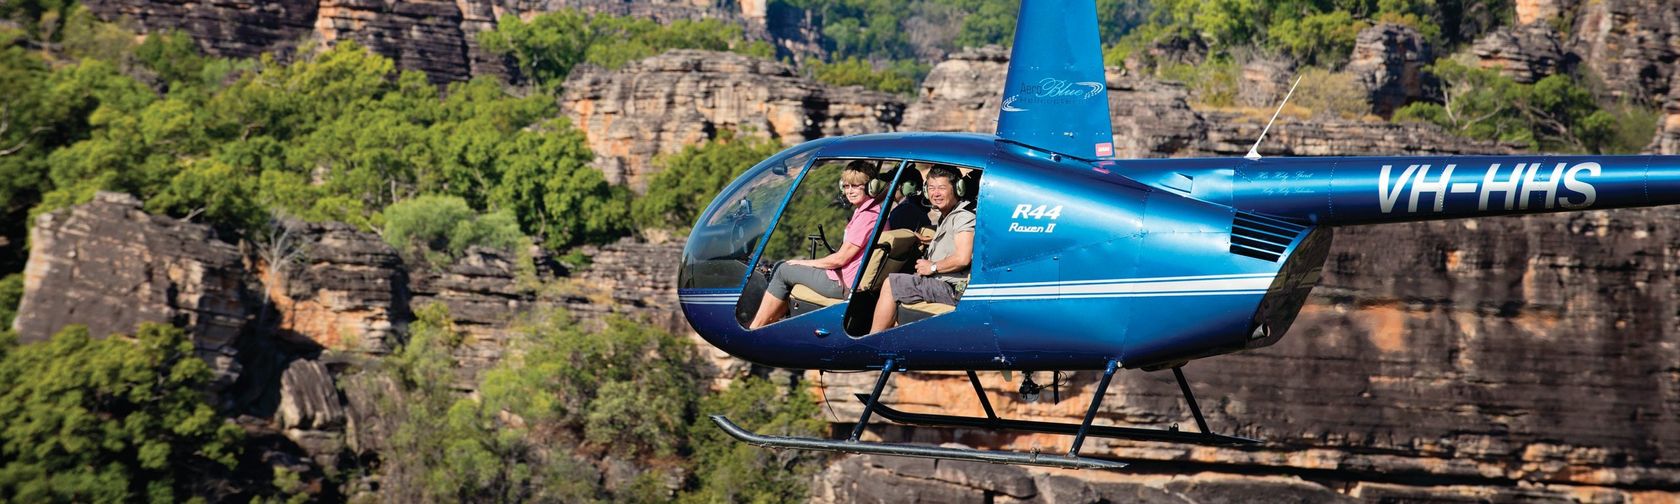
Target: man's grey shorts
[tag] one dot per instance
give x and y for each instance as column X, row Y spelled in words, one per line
column 909, row 289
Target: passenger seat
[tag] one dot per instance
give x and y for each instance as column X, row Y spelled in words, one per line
column 891, row 251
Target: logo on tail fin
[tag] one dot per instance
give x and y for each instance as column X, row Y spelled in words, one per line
column 1052, row 88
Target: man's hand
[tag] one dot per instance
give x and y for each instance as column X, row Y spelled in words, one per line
column 924, row 267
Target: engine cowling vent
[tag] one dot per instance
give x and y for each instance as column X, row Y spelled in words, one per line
column 1261, row 237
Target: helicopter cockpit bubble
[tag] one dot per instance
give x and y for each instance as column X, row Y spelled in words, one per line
column 728, row 232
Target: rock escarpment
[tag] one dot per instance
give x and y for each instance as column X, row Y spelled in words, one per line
column 661, row 104
column 291, row 324
column 438, row 37
column 111, row 266
column 1388, row 60
column 1154, row 119
column 1435, row 360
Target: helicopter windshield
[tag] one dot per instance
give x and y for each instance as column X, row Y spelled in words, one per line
column 722, row 242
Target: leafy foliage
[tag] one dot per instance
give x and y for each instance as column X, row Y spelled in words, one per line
column 1555, row 113
column 114, row 419
column 443, row 227
column 901, row 77
column 547, row 47
column 731, row 471
column 11, row 293
column 687, row 180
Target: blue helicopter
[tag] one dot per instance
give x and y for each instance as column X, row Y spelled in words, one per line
column 1078, row 261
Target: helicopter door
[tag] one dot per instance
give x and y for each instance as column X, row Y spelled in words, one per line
column 817, row 246
column 908, row 238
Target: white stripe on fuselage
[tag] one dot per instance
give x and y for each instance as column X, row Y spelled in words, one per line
column 1173, row 286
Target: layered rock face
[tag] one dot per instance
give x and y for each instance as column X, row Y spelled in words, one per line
column 1433, row 361
column 1524, row 53
column 111, row 266
column 1154, row 119
column 1388, row 60
column 1631, row 45
column 661, row 104
column 343, row 290
column 438, row 37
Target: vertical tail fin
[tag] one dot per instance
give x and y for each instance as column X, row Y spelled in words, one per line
column 1056, row 96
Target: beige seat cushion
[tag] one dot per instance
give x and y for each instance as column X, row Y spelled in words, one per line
column 889, row 254
column 931, row 308
column 803, row 293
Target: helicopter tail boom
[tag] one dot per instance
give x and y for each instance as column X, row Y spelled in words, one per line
column 1372, row 190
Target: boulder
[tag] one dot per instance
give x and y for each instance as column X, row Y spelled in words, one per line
column 110, row 266
column 1388, row 60
column 308, row 398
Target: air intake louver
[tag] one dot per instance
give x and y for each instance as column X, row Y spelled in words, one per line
column 1262, row 237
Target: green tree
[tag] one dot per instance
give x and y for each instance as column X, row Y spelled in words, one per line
column 688, row 179
column 727, row 470
column 113, row 419
column 547, row 47
column 900, row 77
column 1324, row 38
column 11, row 294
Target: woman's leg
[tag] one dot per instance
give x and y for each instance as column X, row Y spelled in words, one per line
column 770, row 310
column 774, row 305
column 886, row 309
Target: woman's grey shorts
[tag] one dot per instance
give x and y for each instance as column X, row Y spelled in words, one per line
column 817, row 279
column 908, row 288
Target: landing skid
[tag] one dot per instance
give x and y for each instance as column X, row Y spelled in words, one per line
column 1132, row 433
column 871, row 403
column 910, row 450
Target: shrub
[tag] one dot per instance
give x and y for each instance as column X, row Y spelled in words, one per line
column 441, row 228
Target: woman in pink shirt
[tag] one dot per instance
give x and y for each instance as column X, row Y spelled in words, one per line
column 831, row 275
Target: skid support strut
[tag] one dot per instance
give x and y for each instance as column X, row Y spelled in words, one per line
column 1178, row 372
column 874, row 398
column 1091, row 413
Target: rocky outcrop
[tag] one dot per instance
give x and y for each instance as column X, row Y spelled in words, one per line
column 1524, row 53
column 961, row 93
column 1388, row 61
column 1632, row 46
column 344, row 290
column 110, row 266
column 1667, row 139
column 1434, row 360
column 438, row 37
column 1534, row 11
column 483, row 296
column 1154, row 118
column 222, row 28
column 661, row 104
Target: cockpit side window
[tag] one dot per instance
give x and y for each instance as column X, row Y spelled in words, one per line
column 723, row 241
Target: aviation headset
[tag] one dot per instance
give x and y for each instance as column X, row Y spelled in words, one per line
column 957, row 180
column 876, row 186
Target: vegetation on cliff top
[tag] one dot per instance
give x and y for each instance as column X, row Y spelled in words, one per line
column 117, row 419
column 569, row 403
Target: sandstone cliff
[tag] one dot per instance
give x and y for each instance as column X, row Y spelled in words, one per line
column 680, row 98
column 438, row 37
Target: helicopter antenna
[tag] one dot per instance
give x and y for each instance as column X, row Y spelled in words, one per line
column 1254, row 151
